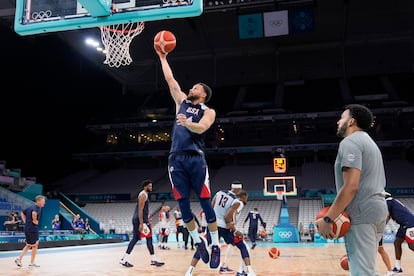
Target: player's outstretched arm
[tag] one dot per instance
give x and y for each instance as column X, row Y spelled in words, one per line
column 175, row 90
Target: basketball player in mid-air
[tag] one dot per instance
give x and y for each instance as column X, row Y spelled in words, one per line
column 141, row 226
column 187, row 166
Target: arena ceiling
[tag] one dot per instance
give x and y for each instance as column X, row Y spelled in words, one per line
column 346, row 38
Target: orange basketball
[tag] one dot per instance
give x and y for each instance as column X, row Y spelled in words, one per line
column 344, row 262
column 341, row 223
column 164, row 41
column 274, row 253
column 263, row 234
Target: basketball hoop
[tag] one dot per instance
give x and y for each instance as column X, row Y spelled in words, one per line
column 116, row 39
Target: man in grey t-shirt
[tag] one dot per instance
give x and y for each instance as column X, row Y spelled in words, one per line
column 360, row 182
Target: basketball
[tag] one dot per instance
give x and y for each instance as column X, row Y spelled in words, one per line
column 263, row 234
column 164, row 41
column 341, row 223
column 274, row 253
column 344, row 262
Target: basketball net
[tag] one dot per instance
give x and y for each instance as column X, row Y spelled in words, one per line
column 279, row 195
column 116, row 39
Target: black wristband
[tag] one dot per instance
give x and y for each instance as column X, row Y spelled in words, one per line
column 327, row 219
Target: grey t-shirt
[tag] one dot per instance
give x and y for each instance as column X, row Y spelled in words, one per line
column 359, row 151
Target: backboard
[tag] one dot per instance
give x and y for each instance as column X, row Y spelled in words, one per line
column 284, row 184
column 44, row 16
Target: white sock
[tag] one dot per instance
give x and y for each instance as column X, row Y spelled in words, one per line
column 214, row 237
column 153, row 257
column 196, row 236
column 249, row 268
column 398, row 264
column 241, row 266
column 125, row 257
column 229, row 250
column 190, row 270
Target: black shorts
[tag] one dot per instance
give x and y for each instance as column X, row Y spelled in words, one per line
column 31, row 237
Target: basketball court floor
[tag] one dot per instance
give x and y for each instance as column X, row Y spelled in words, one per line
column 303, row 259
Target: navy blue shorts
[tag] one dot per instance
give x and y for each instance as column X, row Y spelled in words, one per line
column 227, row 235
column 31, row 237
column 402, row 230
column 188, row 171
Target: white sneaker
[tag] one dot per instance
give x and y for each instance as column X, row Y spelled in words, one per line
column 389, row 273
column 33, row 265
column 251, row 273
column 18, row 262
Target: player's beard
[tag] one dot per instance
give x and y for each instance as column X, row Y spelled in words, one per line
column 341, row 131
column 192, row 97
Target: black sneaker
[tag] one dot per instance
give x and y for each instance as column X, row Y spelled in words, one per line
column 156, row 263
column 215, row 256
column 126, row 264
column 254, row 246
column 396, row 270
column 202, row 250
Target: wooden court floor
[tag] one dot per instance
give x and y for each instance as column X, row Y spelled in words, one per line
column 295, row 260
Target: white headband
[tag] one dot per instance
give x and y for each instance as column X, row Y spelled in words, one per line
column 236, row 186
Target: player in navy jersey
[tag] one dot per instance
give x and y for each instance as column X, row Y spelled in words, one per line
column 405, row 218
column 31, row 217
column 187, row 166
column 141, row 227
column 254, row 217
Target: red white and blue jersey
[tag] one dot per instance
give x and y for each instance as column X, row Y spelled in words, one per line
column 223, row 201
column 182, row 138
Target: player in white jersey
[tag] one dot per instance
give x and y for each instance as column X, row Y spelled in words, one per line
column 236, row 187
column 179, row 224
column 164, row 218
column 227, row 205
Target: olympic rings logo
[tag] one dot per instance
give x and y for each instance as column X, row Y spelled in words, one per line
column 388, row 237
column 40, row 15
column 178, row 2
column 285, row 234
column 276, row 23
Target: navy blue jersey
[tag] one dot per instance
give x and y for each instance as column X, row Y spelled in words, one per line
column 145, row 211
column 29, row 225
column 399, row 213
column 254, row 218
column 183, row 139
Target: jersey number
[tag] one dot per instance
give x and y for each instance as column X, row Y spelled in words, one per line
column 223, row 201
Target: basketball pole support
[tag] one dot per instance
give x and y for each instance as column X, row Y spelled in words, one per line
column 285, row 232
column 97, row 7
